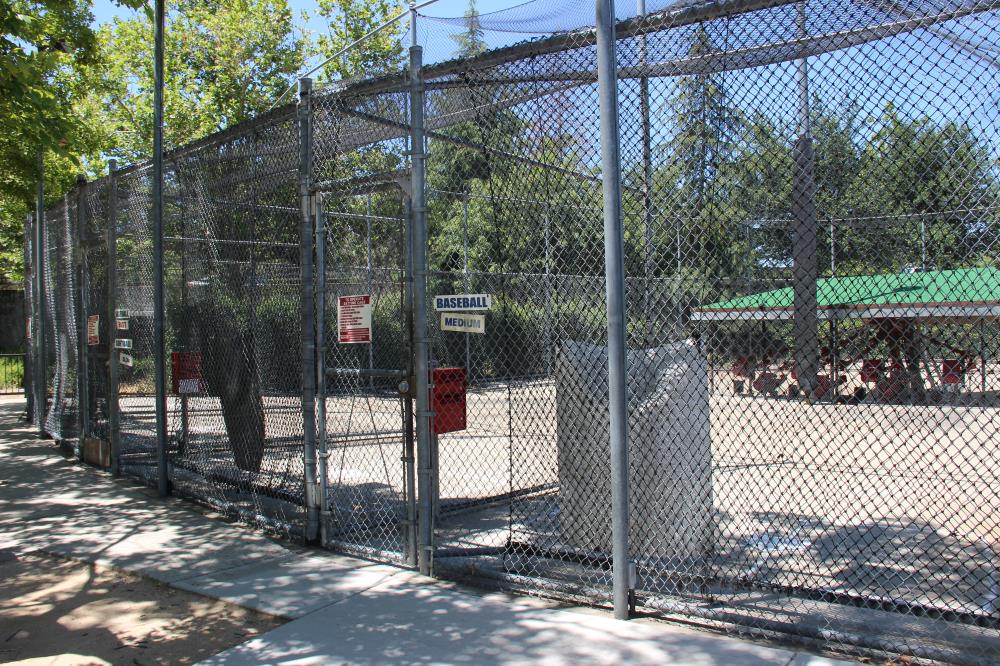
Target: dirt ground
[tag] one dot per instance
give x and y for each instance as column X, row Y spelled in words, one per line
column 58, row 611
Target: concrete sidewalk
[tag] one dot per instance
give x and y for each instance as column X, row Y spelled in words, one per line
column 342, row 609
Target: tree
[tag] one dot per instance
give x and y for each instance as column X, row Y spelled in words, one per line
column 46, row 50
column 471, row 42
column 349, row 21
column 693, row 179
column 226, row 61
column 920, row 190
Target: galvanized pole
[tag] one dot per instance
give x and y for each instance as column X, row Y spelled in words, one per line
column 41, row 372
column 82, row 383
column 114, row 418
column 465, row 270
column 923, row 243
column 547, row 229
column 833, row 251
column 805, row 326
column 159, row 342
column 649, row 267
column 368, row 287
column 308, row 348
column 321, row 364
column 614, row 271
column 29, row 288
column 407, row 391
column 421, row 348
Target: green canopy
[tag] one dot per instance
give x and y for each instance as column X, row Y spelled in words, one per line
column 960, row 293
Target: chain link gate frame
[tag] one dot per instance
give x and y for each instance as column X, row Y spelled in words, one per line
column 772, row 428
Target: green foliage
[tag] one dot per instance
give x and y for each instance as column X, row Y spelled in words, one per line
column 226, row 61
column 471, row 42
column 47, row 50
column 349, row 21
column 11, row 372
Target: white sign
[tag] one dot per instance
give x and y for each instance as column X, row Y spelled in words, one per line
column 187, row 386
column 121, row 313
column 354, row 319
column 463, row 323
column 121, row 324
column 126, row 359
column 463, row 302
column 123, row 343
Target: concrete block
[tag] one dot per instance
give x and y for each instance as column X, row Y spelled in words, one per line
column 670, row 466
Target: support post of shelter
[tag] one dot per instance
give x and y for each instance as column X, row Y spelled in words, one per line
column 614, row 267
column 805, row 327
column 421, row 351
column 114, row 416
column 308, row 309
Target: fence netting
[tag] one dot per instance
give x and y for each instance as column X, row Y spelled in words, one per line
column 233, row 305
column 810, row 206
column 61, row 418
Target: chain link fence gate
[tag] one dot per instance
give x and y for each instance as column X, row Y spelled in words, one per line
column 809, row 197
column 365, row 429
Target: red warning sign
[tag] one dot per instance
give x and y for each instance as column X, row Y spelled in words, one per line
column 186, row 374
column 354, row 319
column 93, row 330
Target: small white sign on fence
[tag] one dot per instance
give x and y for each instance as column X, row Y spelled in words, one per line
column 126, row 359
column 123, row 343
column 463, row 323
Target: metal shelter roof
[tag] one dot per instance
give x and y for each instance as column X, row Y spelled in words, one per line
column 959, row 293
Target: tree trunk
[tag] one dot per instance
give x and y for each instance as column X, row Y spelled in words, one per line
column 231, row 374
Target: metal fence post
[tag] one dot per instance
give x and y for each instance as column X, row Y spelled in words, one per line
column 648, row 262
column 159, row 344
column 323, row 454
column 114, row 417
column 369, row 284
column 418, row 211
column 408, row 443
column 29, row 288
column 614, row 269
column 466, row 287
column 308, row 310
column 82, row 380
column 41, row 376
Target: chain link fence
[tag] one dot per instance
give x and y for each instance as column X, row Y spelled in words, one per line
column 810, row 293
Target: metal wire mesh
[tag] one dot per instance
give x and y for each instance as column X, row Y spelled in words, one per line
column 95, row 272
column 233, row 298
column 365, row 434
column 134, row 286
column 61, row 336
column 810, row 209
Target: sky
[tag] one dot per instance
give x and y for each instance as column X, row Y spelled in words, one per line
column 442, row 48
column 105, row 10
